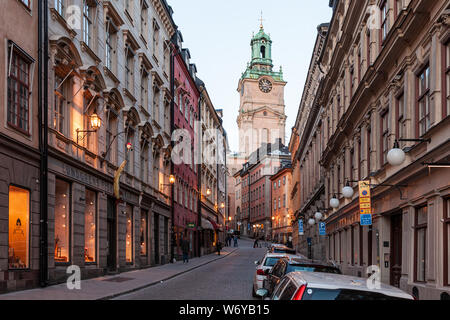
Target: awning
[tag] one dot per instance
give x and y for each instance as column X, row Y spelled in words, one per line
column 207, row 225
column 216, row 226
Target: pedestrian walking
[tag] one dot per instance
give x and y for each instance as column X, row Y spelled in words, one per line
column 235, row 241
column 185, row 246
column 219, row 247
column 255, row 244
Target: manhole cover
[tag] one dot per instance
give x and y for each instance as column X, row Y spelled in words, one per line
column 118, row 279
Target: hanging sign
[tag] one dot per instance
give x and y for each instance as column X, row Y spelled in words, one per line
column 365, row 203
column 300, row 227
column 322, row 229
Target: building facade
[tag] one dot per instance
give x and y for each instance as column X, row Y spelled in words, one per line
column 387, row 79
column 185, row 169
column 308, row 192
column 19, row 146
column 282, row 214
column 109, row 136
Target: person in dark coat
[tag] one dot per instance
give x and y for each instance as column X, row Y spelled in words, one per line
column 255, row 244
column 185, row 246
column 219, row 247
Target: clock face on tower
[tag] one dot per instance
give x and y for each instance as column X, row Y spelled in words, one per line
column 265, row 85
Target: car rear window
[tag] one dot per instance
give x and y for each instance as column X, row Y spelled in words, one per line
column 270, row 262
column 343, row 294
column 309, row 268
column 284, row 251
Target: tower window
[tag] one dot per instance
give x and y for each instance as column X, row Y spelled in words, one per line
column 263, row 52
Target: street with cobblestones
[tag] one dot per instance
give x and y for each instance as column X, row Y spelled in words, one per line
column 229, row 278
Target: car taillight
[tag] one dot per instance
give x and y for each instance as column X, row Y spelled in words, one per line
column 299, row 293
column 260, row 272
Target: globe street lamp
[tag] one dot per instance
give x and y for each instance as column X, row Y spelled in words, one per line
column 311, row 222
column 318, row 216
column 396, row 156
column 334, row 202
column 348, row 191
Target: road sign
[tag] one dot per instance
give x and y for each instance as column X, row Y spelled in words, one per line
column 366, row 219
column 322, row 229
column 365, row 203
column 300, row 227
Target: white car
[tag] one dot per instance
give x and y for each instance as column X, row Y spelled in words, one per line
column 321, row 286
column 263, row 266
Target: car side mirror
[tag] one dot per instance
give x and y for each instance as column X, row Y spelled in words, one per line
column 262, row 293
column 257, row 263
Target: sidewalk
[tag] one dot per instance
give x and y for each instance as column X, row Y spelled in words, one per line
column 109, row 287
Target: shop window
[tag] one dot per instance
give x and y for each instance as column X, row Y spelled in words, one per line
column 144, row 233
column 62, row 221
column 420, row 243
column 19, row 224
column 129, row 234
column 90, row 215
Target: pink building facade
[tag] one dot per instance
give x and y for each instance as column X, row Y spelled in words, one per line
column 184, row 117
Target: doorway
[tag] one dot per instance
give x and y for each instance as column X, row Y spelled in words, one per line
column 396, row 249
column 111, row 235
column 156, row 235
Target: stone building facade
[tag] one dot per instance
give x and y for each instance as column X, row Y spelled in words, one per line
column 308, row 190
column 113, row 65
column 387, row 78
column 19, row 146
column 281, row 212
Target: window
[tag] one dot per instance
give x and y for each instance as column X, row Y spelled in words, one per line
column 289, row 292
column 111, row 32
column 144, row 161
column 62, row 221
column 88, row 30
column 155, row 37
column 156, row 102
column 420, row 239
column 19, row 228
column 27, row 3
column 144, row 18
column 144, row 90
column 129, row 234
column 18, row 90
column 423, row 114
column 129, row 154
column 353, row 252
column 446, row 79
column 59, row 7
column 369, row 150
column 90, row 218
column 144, row 233
column 401, row 123
column 111, row 142
column 384, row 19
column 384, row 122
column 60, row 104
column 129, row 68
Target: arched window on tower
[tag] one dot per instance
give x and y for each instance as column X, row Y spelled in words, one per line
column 263, row 52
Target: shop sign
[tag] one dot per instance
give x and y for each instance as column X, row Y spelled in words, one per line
column 191, row 225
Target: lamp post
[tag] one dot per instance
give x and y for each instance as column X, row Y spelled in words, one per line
column 95, row 122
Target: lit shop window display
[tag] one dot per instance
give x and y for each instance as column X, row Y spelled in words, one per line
column 143, row 239
column 90, row 215
column 129, row 234
column 19, row 221
column 62, row 221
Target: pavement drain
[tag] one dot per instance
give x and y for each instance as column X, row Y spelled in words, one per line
column 118, row 279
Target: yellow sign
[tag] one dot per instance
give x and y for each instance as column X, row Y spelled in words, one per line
column 365, row 202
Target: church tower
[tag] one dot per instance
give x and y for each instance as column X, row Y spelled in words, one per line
column 262, row 117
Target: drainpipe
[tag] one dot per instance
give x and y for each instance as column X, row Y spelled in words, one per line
column 43, row 139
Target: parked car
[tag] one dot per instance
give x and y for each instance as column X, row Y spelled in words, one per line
column 264, row 266
column 321, row 286
column 292, row 264
column 281, row 248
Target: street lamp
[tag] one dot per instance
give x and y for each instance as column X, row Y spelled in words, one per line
column 396, row 156
column 318, row 215
column 348, row 191
column 95, row 122
column 311, row 222
column 172, row 179
column 208, row 192
column 334, row 202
